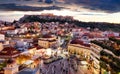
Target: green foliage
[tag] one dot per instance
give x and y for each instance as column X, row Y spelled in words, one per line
column 43, row 20
column 104, row 46
column 115, row 40
column 102, row 26
column 113, row 61
column 103, row 65
column 2, row 65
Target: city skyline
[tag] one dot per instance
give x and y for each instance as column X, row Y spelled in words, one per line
column 83, row 10
column 59, row 37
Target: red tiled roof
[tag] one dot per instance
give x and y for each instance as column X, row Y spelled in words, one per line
column 76, row 41
column 53, row 40
column 88, row 34
column 9, row 52
column 2, row 32
column 47, row 36
column 37, row 46
column 31, row 47
column 110, row 35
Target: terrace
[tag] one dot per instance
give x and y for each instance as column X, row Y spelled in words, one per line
column 112, row 61
column 109, row 45
column 110, row 55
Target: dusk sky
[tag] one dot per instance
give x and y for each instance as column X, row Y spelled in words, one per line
column 83, row 10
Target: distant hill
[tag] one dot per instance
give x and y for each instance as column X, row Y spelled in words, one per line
column 46, row 18
column 61, row 19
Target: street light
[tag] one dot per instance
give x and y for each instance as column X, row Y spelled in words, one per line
column 48, row 52
column 58, row 52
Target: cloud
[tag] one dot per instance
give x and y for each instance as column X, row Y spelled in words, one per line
column 14, row 7
column 95, row 17
column 23, row 0
column 40, row 1
column 92, row 14
column 104, row 5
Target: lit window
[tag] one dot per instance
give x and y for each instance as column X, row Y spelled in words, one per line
column 4, row 51
column 14, row 51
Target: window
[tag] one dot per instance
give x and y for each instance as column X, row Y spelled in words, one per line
column 4, row 51
column 14, row 51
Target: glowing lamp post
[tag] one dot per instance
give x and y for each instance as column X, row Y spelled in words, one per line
column 58, row 52
column 48, row 52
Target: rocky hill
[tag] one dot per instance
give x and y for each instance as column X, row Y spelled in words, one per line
column 69, row 19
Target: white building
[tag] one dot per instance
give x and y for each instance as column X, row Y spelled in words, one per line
column 12, row 31
column 110, row 33
column 79, row 32
column 21, row 43
column 2, row 37
column 22, row 30
column 1, row 46
column 95, row 55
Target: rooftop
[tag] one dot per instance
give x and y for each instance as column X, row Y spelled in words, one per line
column 9, row 52
column 47, row 36
column 77, row 41
column 37, row 46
